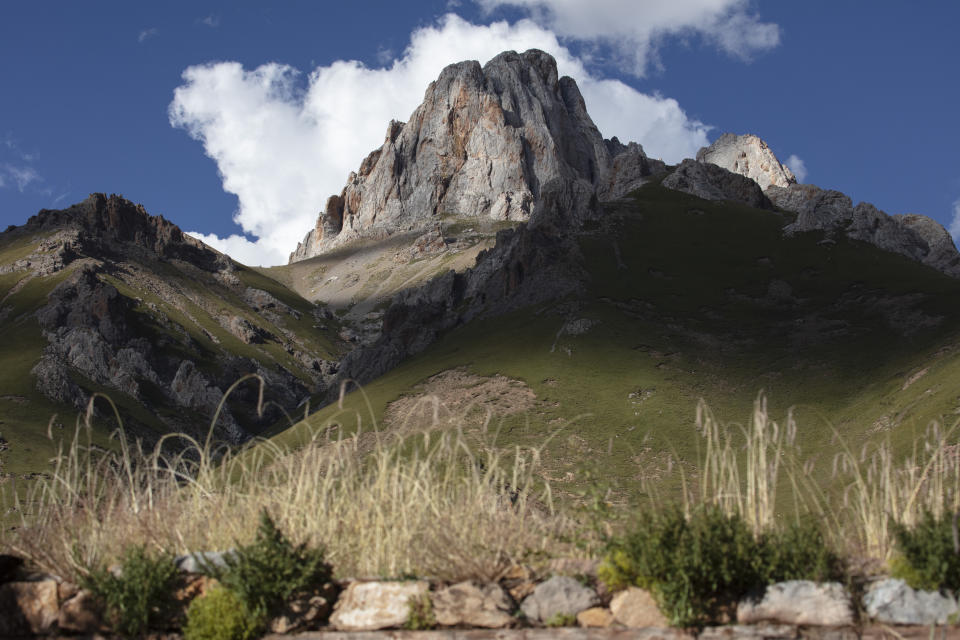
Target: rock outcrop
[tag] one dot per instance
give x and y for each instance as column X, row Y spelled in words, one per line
column 116, row 227
column 506, row 141
column 714, row 176
column 711, row 182
column 914, row 236
column 748, row 156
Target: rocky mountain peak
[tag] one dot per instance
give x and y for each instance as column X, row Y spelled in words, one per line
column 749, row 156
column 113, row 226
column 503, row 141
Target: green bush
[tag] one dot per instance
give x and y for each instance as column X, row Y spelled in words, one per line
column 799, row 552
column 141, row 595
column 219, row 615
column 926, row 558
column 269, row 572
column 698, row 567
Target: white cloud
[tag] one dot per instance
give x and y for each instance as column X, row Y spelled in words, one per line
column 146, row 34
column 955, row 223
column 21, row 176
column 212, row 21
column 635, row 29
column 283, row 142
column 799, row 168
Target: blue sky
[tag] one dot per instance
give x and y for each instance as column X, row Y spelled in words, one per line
column 236, row 119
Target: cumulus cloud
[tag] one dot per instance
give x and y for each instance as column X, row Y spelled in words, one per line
column 212, row 21
column 634, row 29
column 283, row 142
column 146, row 34
column 955, row 223
column 799, row 168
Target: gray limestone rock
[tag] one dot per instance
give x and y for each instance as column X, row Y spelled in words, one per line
column 748, row 156
column 711, row 182
column 799, row 602
column 558, row 596
column 892, row 601
column 508, row 141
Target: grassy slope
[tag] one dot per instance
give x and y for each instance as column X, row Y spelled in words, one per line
column 688, row 315
column 25, row 413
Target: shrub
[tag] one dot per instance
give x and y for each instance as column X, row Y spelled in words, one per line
column 421, row 614
column 799, row 552
column 926, row 558
column 140, row 595
column 692, row 567
column 696, row 567
column 219, row 615
column 269, row 571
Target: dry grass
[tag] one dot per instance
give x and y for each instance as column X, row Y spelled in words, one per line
column 443, row 504
column 857, row 500
column 432, row 504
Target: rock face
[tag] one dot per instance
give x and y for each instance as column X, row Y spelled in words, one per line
column 711, row 182
column 916, row 237
column 506, row 141
column 748, row 156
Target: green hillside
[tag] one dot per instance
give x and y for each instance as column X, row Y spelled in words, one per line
column 690, row 299
column 174, row 307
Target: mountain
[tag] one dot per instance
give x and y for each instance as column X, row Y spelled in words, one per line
column 498, row 264
column 103, row 297
column 621, row 290
column 507, row 141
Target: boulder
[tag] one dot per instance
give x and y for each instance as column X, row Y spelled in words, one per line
column 202, row 561
column 798, row 602
column 635, row 607
column 475, row 605
column 598, row 617
column 368, row 606
column 304, row 612
column 711, row 182
column 81, row 614
column 28, row 608
column 893, row 601
column 558, row 596
column 748, row 156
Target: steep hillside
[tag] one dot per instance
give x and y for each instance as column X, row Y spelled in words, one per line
column 682, row 298
column 102, row 297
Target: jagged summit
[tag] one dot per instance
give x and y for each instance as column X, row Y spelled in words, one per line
column 111, row 225
column 504, row 141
